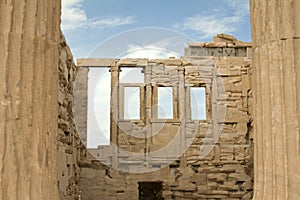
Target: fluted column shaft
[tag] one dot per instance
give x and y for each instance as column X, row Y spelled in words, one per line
column 276, row 64
column 29, row 38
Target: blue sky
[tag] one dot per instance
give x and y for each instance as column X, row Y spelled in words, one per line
column 87, row 23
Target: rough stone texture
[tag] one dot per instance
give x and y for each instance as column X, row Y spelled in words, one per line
column 224, row 173
column 276, row 61
column 68, row 140
column 29, row 54
column 222, row 45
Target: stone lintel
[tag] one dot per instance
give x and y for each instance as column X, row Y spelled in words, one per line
column 167, row 61
column 130, row 62
column 95, row 62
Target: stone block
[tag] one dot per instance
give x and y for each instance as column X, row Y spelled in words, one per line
column 236, row 194
column 199, row 179
column 203, row 189
column 229, row 52
column 239, row 153
column 238, row 177
column 200, row 61
column 218, row 177
column 247, row 196
column 169, row 62
column 185, row 186
column 212, row 185
column 219, row 192
column 228, row 186
column 224, row 37
column 235, row 115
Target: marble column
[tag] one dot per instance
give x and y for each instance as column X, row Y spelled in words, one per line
column 276, row 64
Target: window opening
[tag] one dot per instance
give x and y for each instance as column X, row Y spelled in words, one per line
column 165, row 102
column 198, row 103
column 131, row 102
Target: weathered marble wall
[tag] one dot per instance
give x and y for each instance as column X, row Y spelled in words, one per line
column 225, row 172
column 29, row 54
column 223, row 45
column 276, row 69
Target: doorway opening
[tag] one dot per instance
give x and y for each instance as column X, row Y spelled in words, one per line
column 150, row 191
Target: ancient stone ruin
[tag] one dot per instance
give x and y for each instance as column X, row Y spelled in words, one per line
column 250, row 151
column 191, row 158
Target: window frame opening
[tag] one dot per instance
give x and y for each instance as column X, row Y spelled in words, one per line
column 175, row 106
column 165, row 102
column 201, row 107
column 123, row 105
column 137, row 79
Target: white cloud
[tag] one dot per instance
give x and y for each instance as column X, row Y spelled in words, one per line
column 117, row 21
column 148, row 52
column 240, row 7
column 159, row 49
column 72, row 14
column 219, row 21
column 73, row 17
column 208, row 26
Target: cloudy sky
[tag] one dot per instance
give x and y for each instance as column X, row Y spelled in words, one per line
column 88, row 23
column 140, row 28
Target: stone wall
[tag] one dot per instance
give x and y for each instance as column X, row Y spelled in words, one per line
column 68, row 141
column 276, row 61
column 206, row 159
column 223, row 45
